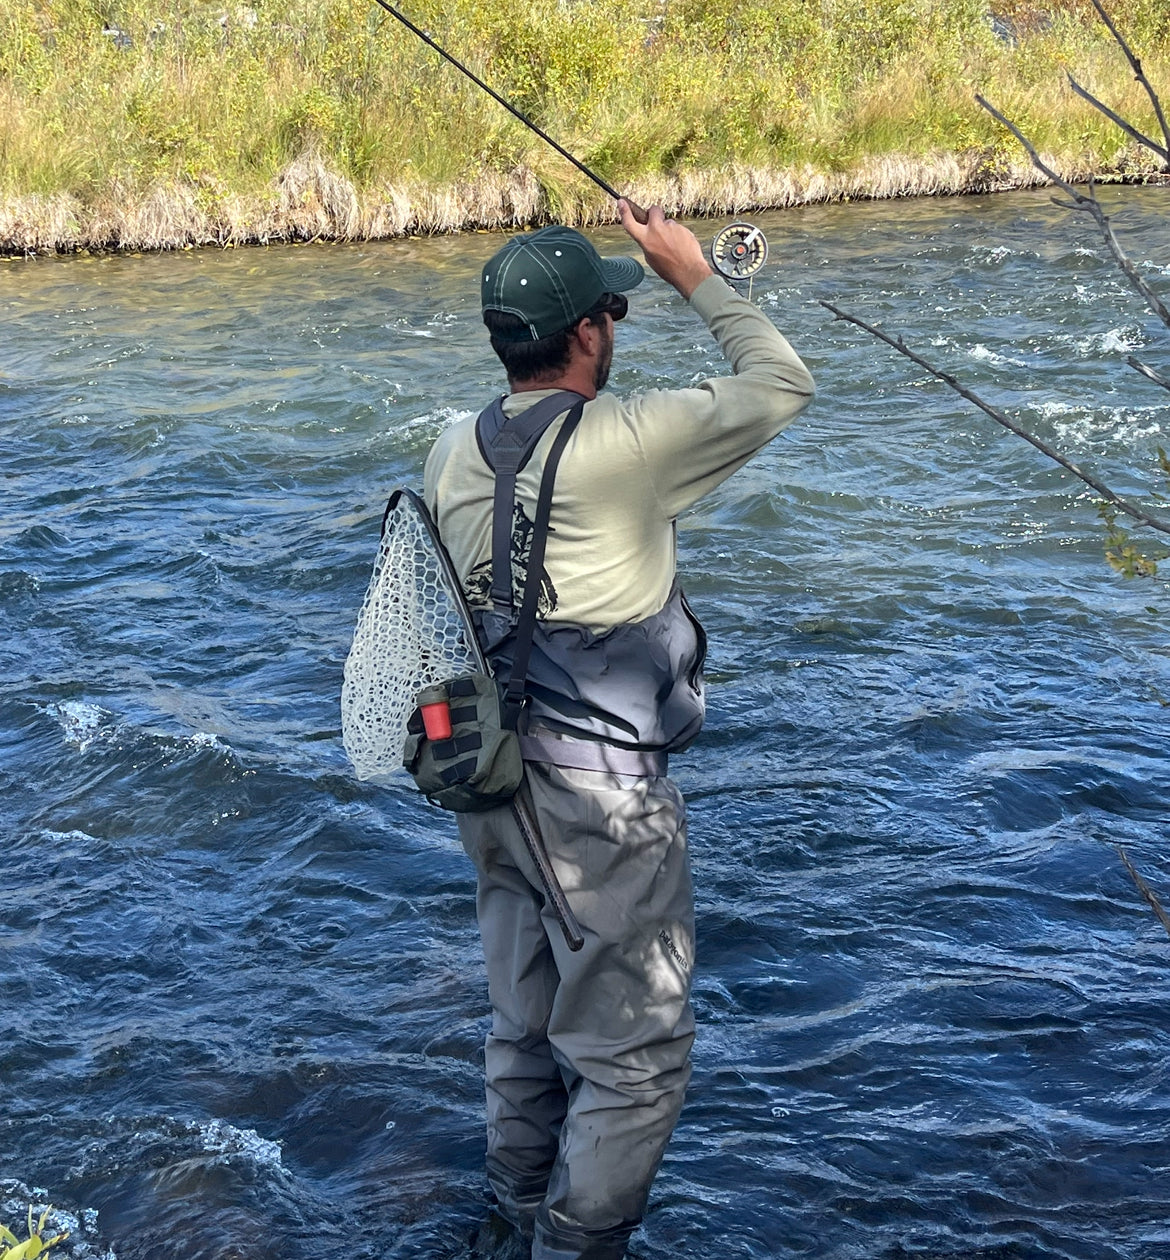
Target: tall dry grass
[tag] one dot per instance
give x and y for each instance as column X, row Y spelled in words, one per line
column 163, row 123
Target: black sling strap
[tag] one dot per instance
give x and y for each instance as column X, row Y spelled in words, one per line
column 510, row 456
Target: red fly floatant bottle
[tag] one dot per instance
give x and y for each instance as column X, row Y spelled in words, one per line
column 436, row 711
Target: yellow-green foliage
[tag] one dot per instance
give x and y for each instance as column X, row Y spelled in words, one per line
column 33, row 1245
column 1123, row 554
column 102, row 98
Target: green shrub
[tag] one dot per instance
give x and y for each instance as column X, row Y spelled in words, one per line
column 113, row 97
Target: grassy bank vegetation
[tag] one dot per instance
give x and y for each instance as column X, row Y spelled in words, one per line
column 140, row 123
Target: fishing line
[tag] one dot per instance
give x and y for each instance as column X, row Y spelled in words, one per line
column 738, row 250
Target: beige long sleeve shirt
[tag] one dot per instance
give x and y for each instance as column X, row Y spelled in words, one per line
column 632, row 466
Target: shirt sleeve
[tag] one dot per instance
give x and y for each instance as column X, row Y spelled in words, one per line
column 693, row 439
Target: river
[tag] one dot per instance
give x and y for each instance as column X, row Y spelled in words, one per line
column 241, row 996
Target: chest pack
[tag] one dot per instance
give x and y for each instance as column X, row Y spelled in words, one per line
column 473, row 762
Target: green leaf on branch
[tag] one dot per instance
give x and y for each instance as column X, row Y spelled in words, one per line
column 1122, row 553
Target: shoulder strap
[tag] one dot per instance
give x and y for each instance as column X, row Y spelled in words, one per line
column 506, row 444
column 509, row 440
column 526, row 624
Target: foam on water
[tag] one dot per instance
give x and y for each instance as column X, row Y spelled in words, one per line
column 1113, row 341
column 431, row 423
column 75, row 836
column 221, row 1138
column 991, row 356
column 1079, row 424
column 81, row 1227
column 1007, row 760
column 82, row 722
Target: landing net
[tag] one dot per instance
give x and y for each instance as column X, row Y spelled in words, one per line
column 410, row 633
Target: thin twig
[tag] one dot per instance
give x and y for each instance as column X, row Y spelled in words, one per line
column 1091, row 205
column 1114, row 117
column 1146, row 891
column 1037, row 161
column 1138, row 74
column 1124, row 505
column 1146, row 370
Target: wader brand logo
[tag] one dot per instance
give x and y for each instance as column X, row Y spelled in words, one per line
column 672, row 951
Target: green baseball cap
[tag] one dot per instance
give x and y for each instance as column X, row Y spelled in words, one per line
column 551, row 278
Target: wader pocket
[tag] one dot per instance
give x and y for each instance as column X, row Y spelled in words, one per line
column 479, row 766
column 695, row 674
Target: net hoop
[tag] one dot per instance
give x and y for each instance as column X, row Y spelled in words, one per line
column 413, row 630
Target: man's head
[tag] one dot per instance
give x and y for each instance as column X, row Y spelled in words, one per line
column 537, row 290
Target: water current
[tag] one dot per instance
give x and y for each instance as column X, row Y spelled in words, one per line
column 241, row 995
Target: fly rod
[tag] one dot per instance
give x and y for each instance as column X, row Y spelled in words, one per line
column 639, row 213
column 738, row 250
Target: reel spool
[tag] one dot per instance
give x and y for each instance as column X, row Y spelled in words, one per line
column 739, row 250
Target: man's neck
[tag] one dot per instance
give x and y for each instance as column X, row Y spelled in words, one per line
column 577, row 380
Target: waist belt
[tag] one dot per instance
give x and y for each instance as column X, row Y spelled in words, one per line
column 588, row 754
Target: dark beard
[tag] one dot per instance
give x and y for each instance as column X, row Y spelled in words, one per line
column 601, row 370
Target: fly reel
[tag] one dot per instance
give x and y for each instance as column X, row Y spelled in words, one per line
column 739, row 250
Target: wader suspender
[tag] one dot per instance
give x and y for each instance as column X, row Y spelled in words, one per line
column 507, row 443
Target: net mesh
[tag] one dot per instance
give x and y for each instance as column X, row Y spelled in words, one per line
column 410, row 633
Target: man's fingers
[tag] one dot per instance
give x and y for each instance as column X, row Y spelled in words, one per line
column 671, row 250
column 636, row 210
column 634, row 226
column 638, row 228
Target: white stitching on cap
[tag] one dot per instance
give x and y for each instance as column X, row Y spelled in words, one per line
column 562, row 294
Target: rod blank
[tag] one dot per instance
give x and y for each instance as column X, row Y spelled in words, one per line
column 497, row 97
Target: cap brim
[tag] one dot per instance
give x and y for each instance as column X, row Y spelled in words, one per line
column 621, row 274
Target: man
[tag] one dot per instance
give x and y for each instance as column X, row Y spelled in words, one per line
column 587, row 1058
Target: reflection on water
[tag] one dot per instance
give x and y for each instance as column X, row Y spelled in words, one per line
column 242, row 996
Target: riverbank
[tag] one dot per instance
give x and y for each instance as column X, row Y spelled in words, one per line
column 310, row 201
column 162, row 126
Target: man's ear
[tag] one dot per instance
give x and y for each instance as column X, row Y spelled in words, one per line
column 588, row 337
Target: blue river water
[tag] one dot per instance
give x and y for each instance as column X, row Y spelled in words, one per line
column 241, row 995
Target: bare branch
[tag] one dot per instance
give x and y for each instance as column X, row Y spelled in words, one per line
column 1030, row 149
column 1139, row 74
column 1146, row 370
column 1146, row 891
column 1128, row 128
column 1090, row 205
column 1123, row 505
